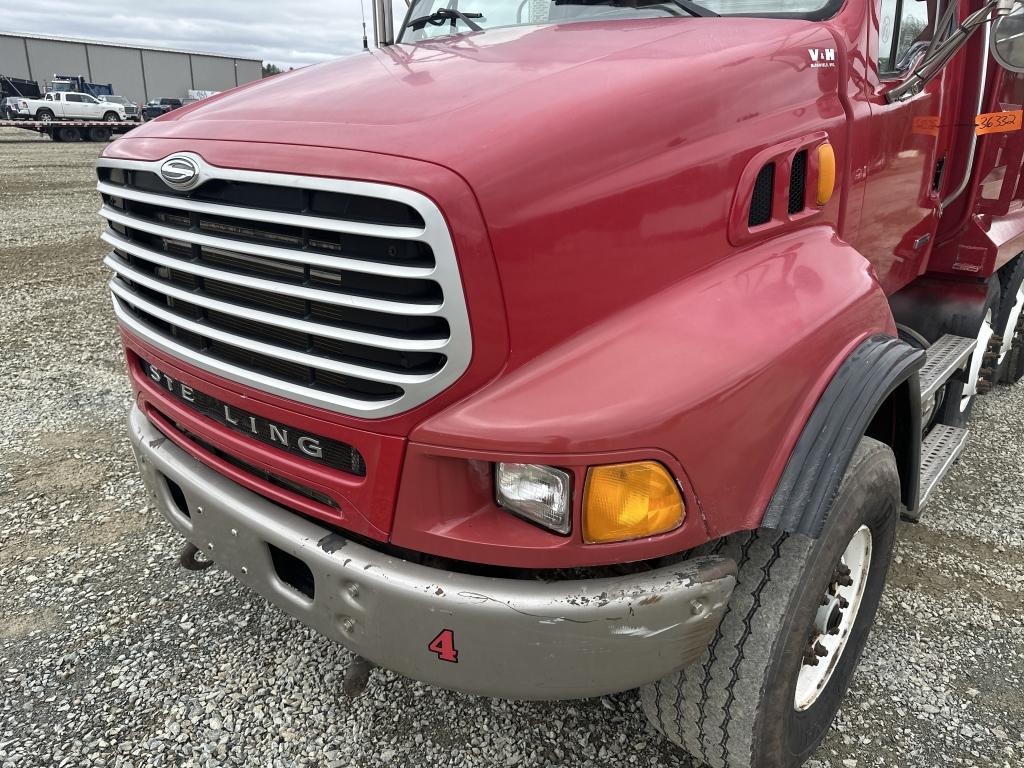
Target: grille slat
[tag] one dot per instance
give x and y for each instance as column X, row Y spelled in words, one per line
column 209, row 330
column 270, row 318
column 273, row 217
column 296, row 256
column 240, row 291
column 271, row 286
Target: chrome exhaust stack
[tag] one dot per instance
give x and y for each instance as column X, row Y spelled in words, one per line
column 383, row 23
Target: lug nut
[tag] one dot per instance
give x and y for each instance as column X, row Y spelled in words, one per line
column 348, row 625
column 353, row 591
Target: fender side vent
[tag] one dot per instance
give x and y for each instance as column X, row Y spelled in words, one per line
column 798, row 183
column 761, row 199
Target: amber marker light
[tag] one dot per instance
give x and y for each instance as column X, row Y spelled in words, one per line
column 630, row 501
column 826, row 173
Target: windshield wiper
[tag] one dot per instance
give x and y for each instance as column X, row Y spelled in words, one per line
column 441, row 15
column 693, row 9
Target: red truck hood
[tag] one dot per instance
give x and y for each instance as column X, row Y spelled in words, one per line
column 451, row 101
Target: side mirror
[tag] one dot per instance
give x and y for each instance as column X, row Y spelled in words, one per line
column 1007, row 43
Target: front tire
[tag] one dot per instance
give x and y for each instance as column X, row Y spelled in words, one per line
column 111, row 117
column 740, row 706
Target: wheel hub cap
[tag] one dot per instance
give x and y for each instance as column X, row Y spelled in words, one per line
column 834, row 620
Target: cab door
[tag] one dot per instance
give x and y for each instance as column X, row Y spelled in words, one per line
column 91, row 106
column 902, row 164
column 76, row 106
column 56, row 104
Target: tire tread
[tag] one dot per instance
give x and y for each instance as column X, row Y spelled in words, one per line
column 711, row 709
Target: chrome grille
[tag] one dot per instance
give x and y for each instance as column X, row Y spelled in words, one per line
column 340, row 294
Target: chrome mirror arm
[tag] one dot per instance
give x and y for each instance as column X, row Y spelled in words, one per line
column 943, row 52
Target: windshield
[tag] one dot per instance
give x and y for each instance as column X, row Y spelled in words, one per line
column 505, row 13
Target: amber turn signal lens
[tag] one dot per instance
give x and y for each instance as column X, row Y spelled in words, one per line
column 826, row 173
column 630, row 501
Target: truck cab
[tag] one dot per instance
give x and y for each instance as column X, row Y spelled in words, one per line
column 580, row 346
column 68, row 105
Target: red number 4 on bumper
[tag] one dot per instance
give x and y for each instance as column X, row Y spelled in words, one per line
column 444, row 646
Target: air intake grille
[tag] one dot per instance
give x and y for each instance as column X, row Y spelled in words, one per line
column 339, row 294
column 761, row 199
column 798, row 183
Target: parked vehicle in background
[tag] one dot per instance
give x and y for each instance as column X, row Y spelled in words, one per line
column 131, row 109
column 13, row 89
column 16, row 86
column 156, row 107
column 78, row 84
column 631, row 393
column 62, row 105
column 9, row 108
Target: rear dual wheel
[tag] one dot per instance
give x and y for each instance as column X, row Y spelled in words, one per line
column 977, row 378
column 99, row 133
column 768, row 687
column 68, row 133
column 1010, row 353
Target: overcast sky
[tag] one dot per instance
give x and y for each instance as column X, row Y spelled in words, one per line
column 289, row 33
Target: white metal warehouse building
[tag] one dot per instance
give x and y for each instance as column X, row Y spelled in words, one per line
column 138, row 73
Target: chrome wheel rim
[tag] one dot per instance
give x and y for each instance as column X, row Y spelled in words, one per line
column 977, row 359
column 835, row 619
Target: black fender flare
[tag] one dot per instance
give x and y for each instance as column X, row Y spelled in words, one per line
column 867, row 378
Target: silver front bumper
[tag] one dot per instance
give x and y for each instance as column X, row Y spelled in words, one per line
column 515, row 638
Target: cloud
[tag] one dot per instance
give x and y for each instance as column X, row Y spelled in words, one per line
column 289, row 33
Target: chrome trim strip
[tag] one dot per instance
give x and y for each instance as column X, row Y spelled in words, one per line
column 269, row 318
column 315, row 397
column 435, row 233
column 281, row 353
column 389, row 231
column 290, row 255
column 272, row 286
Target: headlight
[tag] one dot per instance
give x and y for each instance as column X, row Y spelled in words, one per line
column 536, row 492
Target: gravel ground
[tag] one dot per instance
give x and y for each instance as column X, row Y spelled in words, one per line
column 111, row 655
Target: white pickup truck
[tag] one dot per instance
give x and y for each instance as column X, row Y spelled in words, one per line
column 61, row 105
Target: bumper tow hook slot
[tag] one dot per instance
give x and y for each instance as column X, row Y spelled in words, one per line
column 356, row 677
column 190, row 562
